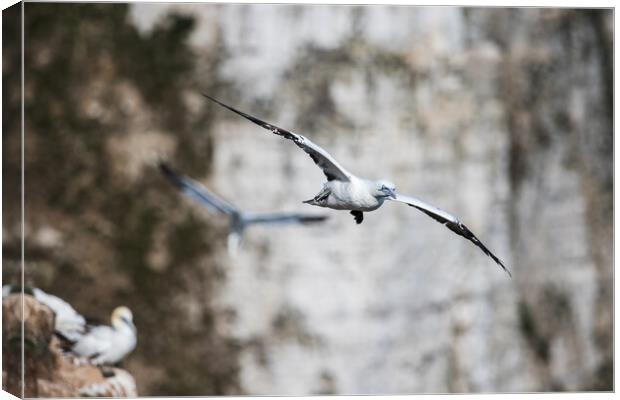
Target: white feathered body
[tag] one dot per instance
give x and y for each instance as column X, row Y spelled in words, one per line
column 355, row 194
column 105, row 344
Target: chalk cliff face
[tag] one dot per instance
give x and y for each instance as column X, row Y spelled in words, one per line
column 502, row 117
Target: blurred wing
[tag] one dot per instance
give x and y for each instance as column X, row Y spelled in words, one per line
column 284, row 218
column 451, row 222
column 197, row 191
column 68, row 322
column 330, row 167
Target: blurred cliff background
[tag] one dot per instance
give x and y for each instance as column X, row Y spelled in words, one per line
column 501, row 116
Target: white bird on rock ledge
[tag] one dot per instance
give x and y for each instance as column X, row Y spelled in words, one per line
column 103, row 344
column 345, row 191
column 98, row 344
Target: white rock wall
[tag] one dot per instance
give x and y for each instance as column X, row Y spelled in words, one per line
column 398, row 304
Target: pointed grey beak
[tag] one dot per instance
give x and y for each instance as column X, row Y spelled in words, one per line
column 390, row 193
column 129, row 323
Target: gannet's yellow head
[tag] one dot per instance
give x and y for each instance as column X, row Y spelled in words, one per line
column 122, row 316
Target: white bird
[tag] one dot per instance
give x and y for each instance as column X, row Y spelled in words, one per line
column 100, row 344
column 68, row 323
column 345, row 191
column 239, row 220
column 103, row 344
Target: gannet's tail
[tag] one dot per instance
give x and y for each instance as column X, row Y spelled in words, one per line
column 235, row 238
column 320, row 198
column 235, row 233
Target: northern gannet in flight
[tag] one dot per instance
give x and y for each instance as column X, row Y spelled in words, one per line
column 345, row 191
column 68, row 323
column 103, row 344
column 239, row 220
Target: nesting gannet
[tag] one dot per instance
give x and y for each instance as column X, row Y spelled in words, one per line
column 345, row 191
column 68, row 323
column 103, row 344
column 239, row 220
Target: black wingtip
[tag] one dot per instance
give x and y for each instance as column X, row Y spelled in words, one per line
column 498, row 262
column 314, row 218
column 213, row 99
column 170, row 174
column 251, row 118
column 209, row 97
column 471, row 237
column 218, row 102
column 505, row 268
column 163, row 167
column 488, row 252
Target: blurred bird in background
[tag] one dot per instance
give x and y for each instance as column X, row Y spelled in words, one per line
column 239, row 220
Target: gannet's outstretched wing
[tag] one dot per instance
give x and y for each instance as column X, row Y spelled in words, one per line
column 68, row 322
column 197, row 191
column 283, row 218
column 451, row 222
column 331, row 168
